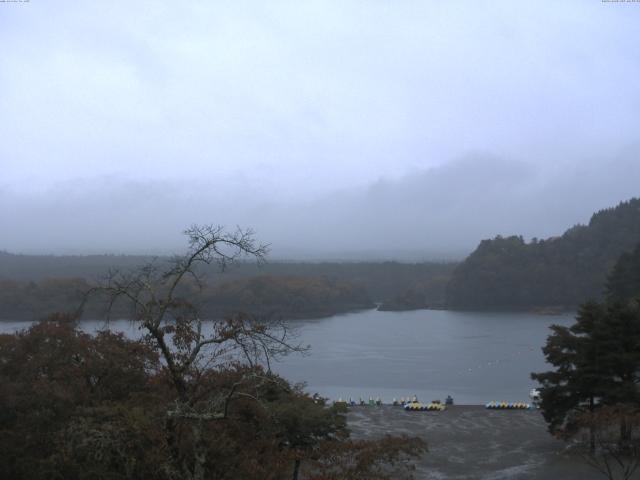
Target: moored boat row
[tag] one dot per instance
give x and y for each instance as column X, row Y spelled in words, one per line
column 421, row 407
column 508, row 405
column 413, row 404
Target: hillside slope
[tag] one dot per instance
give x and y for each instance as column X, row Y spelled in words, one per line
column 509, row 273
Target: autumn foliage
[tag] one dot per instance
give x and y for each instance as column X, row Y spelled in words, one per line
column 80, row 406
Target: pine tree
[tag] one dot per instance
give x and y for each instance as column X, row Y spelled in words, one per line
column 577, row 381
column 597, row 362
column 624, row 281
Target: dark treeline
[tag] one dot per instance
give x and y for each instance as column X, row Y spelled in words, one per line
column 286, row 296
column 33, row 286
column 263, row 296
column 38, row 267
column 381, row 280
column 508, row 272
column 429, row 292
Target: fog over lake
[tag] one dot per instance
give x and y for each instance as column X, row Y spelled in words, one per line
column 337, row 130
column 473, row 356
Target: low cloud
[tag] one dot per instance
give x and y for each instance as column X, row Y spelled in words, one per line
column 441, row 212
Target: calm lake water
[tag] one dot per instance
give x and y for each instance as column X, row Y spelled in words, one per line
column 475, row 357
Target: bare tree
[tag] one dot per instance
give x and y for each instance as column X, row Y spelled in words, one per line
column 191, row 347
column 614, row 450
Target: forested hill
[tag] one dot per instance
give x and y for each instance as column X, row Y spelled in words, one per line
column 33, row 286
column 508, row 272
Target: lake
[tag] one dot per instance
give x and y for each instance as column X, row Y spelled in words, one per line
column 473, row 356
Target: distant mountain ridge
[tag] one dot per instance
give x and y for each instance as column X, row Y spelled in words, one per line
column 509, row 273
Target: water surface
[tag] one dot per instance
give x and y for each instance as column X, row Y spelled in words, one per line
column 473, row 356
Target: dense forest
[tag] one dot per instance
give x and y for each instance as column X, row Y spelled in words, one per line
column 427, row 293
column 287, row 296
column 508, row 272
column 624, row 282
column 32, row 286
column 263, row 296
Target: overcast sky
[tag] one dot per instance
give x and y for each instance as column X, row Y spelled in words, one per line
column 388, row 128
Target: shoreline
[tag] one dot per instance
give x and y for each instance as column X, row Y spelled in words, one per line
column 543, row 312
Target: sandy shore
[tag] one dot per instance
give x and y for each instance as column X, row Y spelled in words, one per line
column 470, row 442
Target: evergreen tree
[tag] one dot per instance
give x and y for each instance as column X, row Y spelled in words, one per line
column 597, row 362
column 575, row 384
column 624, row 281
